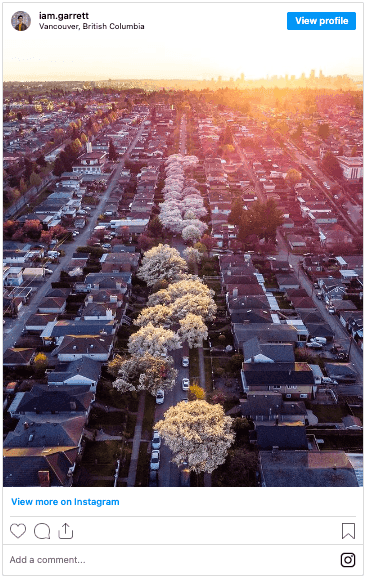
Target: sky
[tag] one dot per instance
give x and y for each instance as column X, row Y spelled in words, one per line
column 179, row 40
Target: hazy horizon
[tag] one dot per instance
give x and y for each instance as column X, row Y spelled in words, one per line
column 197, row 41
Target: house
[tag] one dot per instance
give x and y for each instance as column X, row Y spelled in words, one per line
column 84, row 371
column 39, row 467
column 14, row 356
column 37, row 323
column 341, row 372
column 320, row 330
column 352, row 422
column 267, row 333
column 296, row 241
column 67, row 433
column 292, row 380
column 352, row 168
column 13, row 276
column 251, row 316
column 268, row 407
column 52, row 404
column 94, row 347
column 55, row 331
column 52, row 305
column 287, row 282
column 299, row 468
column 90, row 163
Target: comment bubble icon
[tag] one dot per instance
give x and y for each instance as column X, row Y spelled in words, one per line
column 42, row 531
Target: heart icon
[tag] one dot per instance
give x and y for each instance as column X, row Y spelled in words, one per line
column 17, row 530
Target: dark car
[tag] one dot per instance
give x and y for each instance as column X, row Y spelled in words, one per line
column 153, row 479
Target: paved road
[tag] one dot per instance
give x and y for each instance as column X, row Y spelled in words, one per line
column 17, row 325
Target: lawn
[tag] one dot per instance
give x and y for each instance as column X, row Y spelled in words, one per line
column 125, row 460
column 143, row 466
column 149, row 415
column 105, row 452
column 194, row 372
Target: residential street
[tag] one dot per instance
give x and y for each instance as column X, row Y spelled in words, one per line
column 14, row 329
column 341, row 334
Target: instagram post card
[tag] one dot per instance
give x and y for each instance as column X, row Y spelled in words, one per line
column 182, row 289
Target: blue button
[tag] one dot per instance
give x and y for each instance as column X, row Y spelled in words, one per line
column 321, row 20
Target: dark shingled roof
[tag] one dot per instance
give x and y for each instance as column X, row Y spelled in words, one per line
column 286, row 437
column 21, row 467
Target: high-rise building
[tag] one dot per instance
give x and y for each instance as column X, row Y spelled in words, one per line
column 312, row 74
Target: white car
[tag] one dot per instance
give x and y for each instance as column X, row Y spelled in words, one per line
column 160, row 396
column 155, row 460
column 156, row 441
column 185, row 361
column 185, row 383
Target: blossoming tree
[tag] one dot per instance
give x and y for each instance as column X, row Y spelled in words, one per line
column 197, row 433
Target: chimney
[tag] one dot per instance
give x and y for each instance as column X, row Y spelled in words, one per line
column 235, row 292
column 72, row 405
column 26, row 425
column 90, row 298
column 44, row 478
column 89, row 148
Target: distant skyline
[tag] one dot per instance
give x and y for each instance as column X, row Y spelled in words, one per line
column 179, row 41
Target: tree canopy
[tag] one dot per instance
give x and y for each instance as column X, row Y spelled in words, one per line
column 198, row 434
column 262, row 219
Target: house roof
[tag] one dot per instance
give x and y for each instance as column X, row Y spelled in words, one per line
column 21, row 466
column 38, row 434
column 78, row 327
column 84, row 344
column 52, row 302
column 18, row 355
column 41, row 401
column 270, row 333
column 285, row 373
column 306, row 469
column 251, row 316
column 280, row 352
column 248, row 302
column 87, row 368
column 319, row 330
column 285, row 437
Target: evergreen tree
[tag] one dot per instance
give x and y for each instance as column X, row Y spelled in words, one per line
column 112, row 154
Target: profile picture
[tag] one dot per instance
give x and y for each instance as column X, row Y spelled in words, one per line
column 20, row 21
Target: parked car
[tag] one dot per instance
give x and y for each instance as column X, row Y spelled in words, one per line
column 185, row 383
column 319, row 296
column 107, row 246
column 156, row 441
column 321, row 340
column 314, row 345
column 329, row 381
column 155, row 460
column 331, row 310
column 75, row 233
column 48, row 271
column 185, row 361
column 160, row 396
column 154, row 479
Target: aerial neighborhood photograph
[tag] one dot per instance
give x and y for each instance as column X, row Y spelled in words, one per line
column 183, row 279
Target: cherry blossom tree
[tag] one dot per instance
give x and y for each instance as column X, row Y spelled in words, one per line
column 145, row 372
column 190, row 233
column 193, row 330
column 192, row 255
column 161, row 262
column 198, row 434
column 176, row 290
column 197, row 304
column 154, row 340
column 158, row 315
